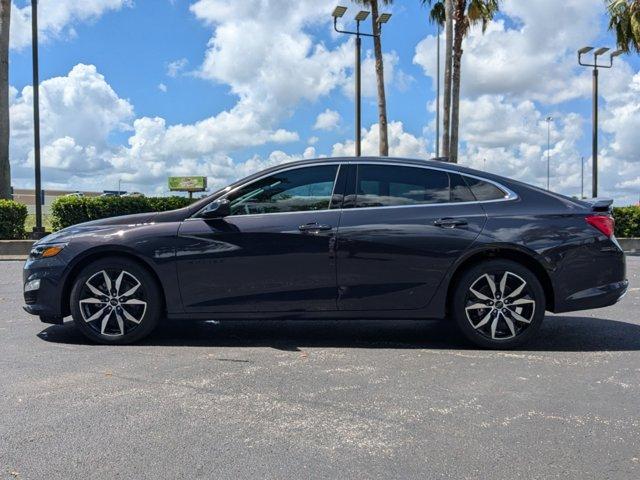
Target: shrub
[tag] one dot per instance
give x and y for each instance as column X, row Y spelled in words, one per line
column 67, row 211
column 162, row 204
column 627, row 221
column 12, row 217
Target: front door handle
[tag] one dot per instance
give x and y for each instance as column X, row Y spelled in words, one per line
column 314, row 227
column 450, row 222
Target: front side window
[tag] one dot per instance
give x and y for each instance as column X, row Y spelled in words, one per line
column 392, row 185
column 298, row 190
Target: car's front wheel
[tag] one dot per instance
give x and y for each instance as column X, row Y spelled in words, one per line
column 115, row 301
column 498, row 304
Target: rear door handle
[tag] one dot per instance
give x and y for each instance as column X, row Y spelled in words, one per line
column 314, row 227
column 450, row 222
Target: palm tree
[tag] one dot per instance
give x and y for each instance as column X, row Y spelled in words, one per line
column 382, row 99
column 625, row 21
column 465, row 14
column 442, row 14
column 5, row 166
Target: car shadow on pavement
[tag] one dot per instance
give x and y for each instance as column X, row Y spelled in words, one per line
column 558, row 333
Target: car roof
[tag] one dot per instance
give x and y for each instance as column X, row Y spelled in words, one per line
column 434, row 162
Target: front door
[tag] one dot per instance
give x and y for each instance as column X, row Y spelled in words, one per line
column 274, row 253
column 401, row 229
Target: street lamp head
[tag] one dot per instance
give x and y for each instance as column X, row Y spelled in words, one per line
column 549, row 118
column 384, row 18
column 362, row 16
column 601, row 51
column 617, row 53
column 339, row 11
column 584, row 50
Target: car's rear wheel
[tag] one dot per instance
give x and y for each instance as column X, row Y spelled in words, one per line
column 498, row 304
column 115, row 301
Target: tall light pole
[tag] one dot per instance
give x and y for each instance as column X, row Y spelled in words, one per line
column 581, row 178
column 362, row 15
column 38, row 230
column 438, row 95
column 594, row 129
column 549, row 119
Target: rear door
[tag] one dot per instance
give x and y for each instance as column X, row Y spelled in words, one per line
column 401, row 229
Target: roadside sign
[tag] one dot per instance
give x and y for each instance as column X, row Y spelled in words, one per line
column 187, row 184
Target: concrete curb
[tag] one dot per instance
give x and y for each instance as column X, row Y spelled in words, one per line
column 630, row 245
column 19, row 249
column 15, row 247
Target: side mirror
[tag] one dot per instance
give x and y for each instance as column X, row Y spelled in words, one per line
column 217, row 209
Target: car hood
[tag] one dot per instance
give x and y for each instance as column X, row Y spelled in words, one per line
column 122, row 222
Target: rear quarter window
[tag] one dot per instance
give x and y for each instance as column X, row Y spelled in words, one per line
column 484, row 191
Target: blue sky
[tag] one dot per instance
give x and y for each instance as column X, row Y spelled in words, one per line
column 139, row 90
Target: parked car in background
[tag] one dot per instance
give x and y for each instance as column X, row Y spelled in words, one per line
column 133, row 194
column 338, row 238
column 74, row 194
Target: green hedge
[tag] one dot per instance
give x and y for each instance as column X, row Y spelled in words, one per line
column 66, row 211
column 627, row 221
column 12, row 217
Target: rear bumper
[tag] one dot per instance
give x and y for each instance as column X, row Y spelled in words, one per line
column 596, row 297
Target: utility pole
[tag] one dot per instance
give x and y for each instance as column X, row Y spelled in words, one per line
column 438, row 95
column 38, row 230
column 581, row 178
column 549, row 119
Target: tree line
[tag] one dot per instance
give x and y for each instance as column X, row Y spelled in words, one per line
column 455, row 16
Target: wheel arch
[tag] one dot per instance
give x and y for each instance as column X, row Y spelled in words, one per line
column 96, row 254
column 526, row 259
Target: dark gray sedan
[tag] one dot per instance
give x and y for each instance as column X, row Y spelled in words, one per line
column 338, row 238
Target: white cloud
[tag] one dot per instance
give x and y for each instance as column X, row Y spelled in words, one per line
column 524, row 68
column 532, row 56
column 162, row 87
column 176, row 67
column 81, row 106
column 510, row 139
column 266, row 55
column 401, row 143
column 56, row 17
column 327, row 120
column 393, row 75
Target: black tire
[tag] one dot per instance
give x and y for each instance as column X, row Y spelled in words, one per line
column 131, row 304
column 475, row 311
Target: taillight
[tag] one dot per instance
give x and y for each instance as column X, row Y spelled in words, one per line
column 605, row 223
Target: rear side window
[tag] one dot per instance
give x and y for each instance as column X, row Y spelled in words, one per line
column 484, row 191
column 391, row 185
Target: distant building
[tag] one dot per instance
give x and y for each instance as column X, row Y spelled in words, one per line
column 27, row 197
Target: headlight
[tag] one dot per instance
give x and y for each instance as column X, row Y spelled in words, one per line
column 32, row 285
column 46, row 251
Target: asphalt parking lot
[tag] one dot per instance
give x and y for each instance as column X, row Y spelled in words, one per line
column 320, row 399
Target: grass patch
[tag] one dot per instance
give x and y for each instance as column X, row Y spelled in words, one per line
column 30, row 222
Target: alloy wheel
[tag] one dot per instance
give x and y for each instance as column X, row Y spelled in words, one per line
column 500, row 305
column 112, row 302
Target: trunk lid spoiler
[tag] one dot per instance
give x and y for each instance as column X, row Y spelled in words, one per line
column 599, row 204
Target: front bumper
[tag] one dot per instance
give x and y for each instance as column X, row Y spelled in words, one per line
column 45, row 301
